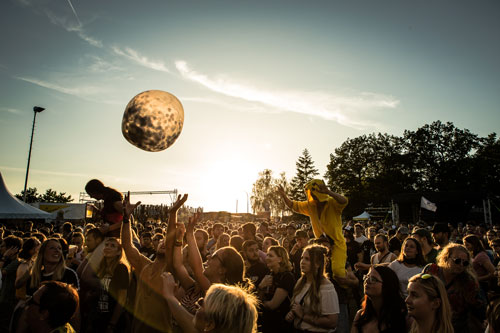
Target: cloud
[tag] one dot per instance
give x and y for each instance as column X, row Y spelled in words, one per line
column 11, row 110
column 342, row 109
column 140, row 59
column 70, row 26
column 78, row 91
column 99, row 65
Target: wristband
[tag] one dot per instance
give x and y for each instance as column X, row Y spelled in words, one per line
column 126, row 220
column 177, row 243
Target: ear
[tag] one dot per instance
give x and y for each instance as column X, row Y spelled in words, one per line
column 436, row 303
column 209, row 326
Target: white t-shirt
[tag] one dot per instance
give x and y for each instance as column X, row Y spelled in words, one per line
column 361, row 239
column 404, row 274
column 329, row 304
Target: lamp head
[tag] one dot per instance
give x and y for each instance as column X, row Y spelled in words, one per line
column 38, row 109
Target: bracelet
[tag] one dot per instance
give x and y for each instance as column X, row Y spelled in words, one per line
column 177, row 243
column 126, row 220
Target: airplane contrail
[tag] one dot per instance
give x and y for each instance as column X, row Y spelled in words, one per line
column 74, row 12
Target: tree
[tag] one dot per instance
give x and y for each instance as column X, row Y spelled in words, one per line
column 305, row 172
column 31, row 195
column 264, row 195
column 49, row 196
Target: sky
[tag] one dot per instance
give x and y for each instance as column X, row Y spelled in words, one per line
column 259, row 82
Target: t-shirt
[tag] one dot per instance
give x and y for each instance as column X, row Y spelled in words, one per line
column 361, row 239
column 478, row 263
column 69, row 277
column 274, row 320
column 404, row 273
column 353, row 248
column 110, row 285
column 385, row 259
column 430, row 257
column 328, row 300
column 256, row 272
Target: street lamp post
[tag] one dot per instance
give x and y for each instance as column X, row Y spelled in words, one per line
column 36, row 109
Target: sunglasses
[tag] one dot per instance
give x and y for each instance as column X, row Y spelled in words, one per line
column 460, row 261
column 371, row 279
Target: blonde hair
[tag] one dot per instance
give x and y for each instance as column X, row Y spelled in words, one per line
column 231, row 309
column 443, row 261
column 434, row 288
column 38, row 266
column 285, row 264
column 104, row 268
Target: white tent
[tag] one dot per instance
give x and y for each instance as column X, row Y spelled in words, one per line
column 362, row 217
column 12, row 208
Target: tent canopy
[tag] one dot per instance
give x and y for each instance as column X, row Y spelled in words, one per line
column 13, row 208
column 362, row 217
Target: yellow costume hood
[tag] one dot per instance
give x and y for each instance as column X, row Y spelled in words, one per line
column 312, row 187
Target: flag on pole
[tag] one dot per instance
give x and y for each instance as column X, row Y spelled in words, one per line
column 424, row 203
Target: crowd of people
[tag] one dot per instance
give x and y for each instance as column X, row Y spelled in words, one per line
column 325, row 275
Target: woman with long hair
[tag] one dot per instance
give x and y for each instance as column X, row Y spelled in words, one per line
column 481, row 263
column 315, row 305
column 225, row 266
column 275, row 290
column 28, row 255
column 224, row 309
column 113, row 275
column 383, row 308
column 467, row 302
column 410, row 262
column 428, row 305
column 49, row 265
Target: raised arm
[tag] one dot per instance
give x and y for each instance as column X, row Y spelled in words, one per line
column 194, row 255
column 134, row 257
column 180, row 314
column 171, row 227
column 179, row 269
column 339, row 198
column 288, row 202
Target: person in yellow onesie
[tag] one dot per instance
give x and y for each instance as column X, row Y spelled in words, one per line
column 324, row 208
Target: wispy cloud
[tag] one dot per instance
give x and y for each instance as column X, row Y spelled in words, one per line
column 100, row 65
column 77, row 91
column 133, row 55
column 70, row 26
column 10, row 110
column 343, row 109
column 45, row 172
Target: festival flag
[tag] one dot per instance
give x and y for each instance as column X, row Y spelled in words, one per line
column 424, row 203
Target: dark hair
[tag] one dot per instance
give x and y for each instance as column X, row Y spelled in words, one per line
column 96, row 233
column 420, row 260
column 13, row 241
column 236, row 242
column 146, row 235
column 28, row 245
column 60, row 300
column 250, row 227
column 94, row 186
column 67, row 226
column 393, row 310
column 248, row 243
column 477, row 245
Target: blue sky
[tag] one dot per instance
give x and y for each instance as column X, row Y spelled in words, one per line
column 259, row 82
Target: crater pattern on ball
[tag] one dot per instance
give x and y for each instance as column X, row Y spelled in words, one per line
column 153, row 120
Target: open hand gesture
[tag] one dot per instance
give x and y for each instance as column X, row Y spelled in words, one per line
column 128, row 208
column 178, row 204
column 180, row 230
column 193, row 220
column 322, row 188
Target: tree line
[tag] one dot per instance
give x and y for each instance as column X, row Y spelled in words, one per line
column 370, row 169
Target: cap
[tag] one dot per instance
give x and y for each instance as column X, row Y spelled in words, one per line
column 301, row 234
column 423, row 233
column 403, row 230
column 440, row 227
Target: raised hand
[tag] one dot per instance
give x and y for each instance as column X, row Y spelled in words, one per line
column 193, row 220
column 322, row 188
column 181, row 199
column 128, row 208
column 281, row 190
column 180, row 230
